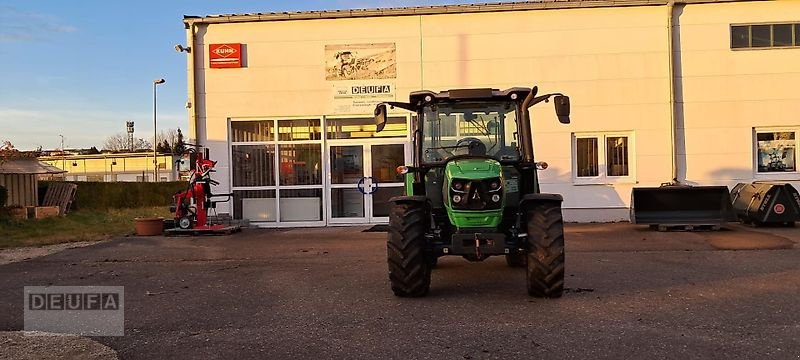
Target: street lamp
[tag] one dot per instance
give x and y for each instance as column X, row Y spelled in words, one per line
column 63, row 157
column 156, row 82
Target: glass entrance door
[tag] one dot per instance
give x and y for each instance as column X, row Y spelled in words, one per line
column 347, row 198
column 363, row 178
column 384, row 181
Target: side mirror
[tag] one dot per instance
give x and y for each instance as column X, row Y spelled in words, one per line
column 562, row 108
column 380, row 117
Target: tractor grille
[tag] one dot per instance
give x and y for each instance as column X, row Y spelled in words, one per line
column 485, row 194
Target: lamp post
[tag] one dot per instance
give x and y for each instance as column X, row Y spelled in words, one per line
column 156, row 82
column 63, row 156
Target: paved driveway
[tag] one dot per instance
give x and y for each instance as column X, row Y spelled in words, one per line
column 323, row 293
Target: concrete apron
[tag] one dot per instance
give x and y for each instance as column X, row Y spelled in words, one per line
column 27, row 345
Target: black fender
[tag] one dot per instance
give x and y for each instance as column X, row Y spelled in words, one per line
column 534, row 199
column 418, row 199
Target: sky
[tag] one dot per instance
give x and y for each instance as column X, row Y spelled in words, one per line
column 83, row 68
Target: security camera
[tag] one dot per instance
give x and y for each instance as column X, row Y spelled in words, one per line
column 181, row 48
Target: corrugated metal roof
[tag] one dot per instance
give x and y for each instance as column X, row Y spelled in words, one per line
column 439, row 9
column 27, row 166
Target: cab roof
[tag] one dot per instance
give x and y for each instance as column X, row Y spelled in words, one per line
column 479, row 94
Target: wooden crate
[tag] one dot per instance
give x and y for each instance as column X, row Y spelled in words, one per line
column 41, row 212
column 20, row 213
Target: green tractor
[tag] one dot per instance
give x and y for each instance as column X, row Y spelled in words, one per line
column 472, row 189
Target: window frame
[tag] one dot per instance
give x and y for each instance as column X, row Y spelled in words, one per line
column 602, row 155
column 795, row 32
column 276, row 143
column 775, row 175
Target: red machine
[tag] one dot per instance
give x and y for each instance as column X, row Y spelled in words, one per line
column 191, row 206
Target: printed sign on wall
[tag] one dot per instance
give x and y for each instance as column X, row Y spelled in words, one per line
column 360, row 62
column 225, row 55
column 361, row 98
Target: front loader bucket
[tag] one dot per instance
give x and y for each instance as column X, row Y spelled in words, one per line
column 681, row 205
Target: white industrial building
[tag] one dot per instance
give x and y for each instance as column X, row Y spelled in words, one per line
column 701, row 91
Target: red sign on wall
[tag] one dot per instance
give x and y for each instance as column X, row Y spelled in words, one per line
column 225, row 55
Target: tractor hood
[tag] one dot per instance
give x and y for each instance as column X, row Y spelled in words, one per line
column 475, row 195
column 472, row 169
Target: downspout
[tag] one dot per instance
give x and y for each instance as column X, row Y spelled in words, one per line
column 191, row 104
column 672, row 115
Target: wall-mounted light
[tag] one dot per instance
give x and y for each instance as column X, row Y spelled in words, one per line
column 74, row 163
column 181, row 48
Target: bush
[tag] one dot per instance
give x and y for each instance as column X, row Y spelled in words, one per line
column 3, row 196
column 122, row 195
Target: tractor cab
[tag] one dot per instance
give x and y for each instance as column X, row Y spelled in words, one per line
column 472, row 188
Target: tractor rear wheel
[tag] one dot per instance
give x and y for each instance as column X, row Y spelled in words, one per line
column 516, row 260
column 545, row 275
column 409, row 263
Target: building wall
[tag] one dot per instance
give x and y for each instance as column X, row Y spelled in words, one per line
column 136, row 167
column 22, row 189
column 613, row 63
column 727, row 93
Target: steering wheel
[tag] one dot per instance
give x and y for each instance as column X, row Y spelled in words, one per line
column 474, row 146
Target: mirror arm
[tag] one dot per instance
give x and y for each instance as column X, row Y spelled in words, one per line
column 545, row 97
column 402, row 105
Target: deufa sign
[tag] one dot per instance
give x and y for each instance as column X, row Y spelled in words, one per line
column 225, row 55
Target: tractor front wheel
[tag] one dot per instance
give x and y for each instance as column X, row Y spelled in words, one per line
column 545, row 273
column 409, row 263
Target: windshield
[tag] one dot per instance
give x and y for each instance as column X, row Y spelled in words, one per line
column 470, row 129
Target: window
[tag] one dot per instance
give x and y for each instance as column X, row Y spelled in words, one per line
column 356, row 128
column 253, row 165
column 759, row 36
column 776, row 151
column 277, row 170
column 601, row 157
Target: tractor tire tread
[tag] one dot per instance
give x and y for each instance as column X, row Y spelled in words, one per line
column 409, row 266
column 545, row 268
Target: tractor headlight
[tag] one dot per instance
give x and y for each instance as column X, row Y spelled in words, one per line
column 456, row 198
column 496, row 198
column 458, row 186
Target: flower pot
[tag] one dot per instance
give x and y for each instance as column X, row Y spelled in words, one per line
column 149, row 226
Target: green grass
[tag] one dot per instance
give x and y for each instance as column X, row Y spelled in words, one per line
column 82, row 225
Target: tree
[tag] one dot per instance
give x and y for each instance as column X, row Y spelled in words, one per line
column 119, row 142
column 179, row 146
column 163, row 147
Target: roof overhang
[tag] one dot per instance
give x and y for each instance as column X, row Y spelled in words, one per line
column 435, row 10
column 27, row 167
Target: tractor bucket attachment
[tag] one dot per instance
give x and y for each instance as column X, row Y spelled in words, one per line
column 762, row 203
column 676, row 205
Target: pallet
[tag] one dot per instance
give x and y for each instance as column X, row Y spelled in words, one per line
column 61, row 195
column 228, row 230
column 687, row 227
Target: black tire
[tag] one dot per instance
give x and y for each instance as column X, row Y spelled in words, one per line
column 545, row 275
column 409, row 263
column 432, row 261
column 516, row 260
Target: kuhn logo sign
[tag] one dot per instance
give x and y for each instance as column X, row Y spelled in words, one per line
column 225, row 55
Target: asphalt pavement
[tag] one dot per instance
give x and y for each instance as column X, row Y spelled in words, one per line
column 324, row 294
